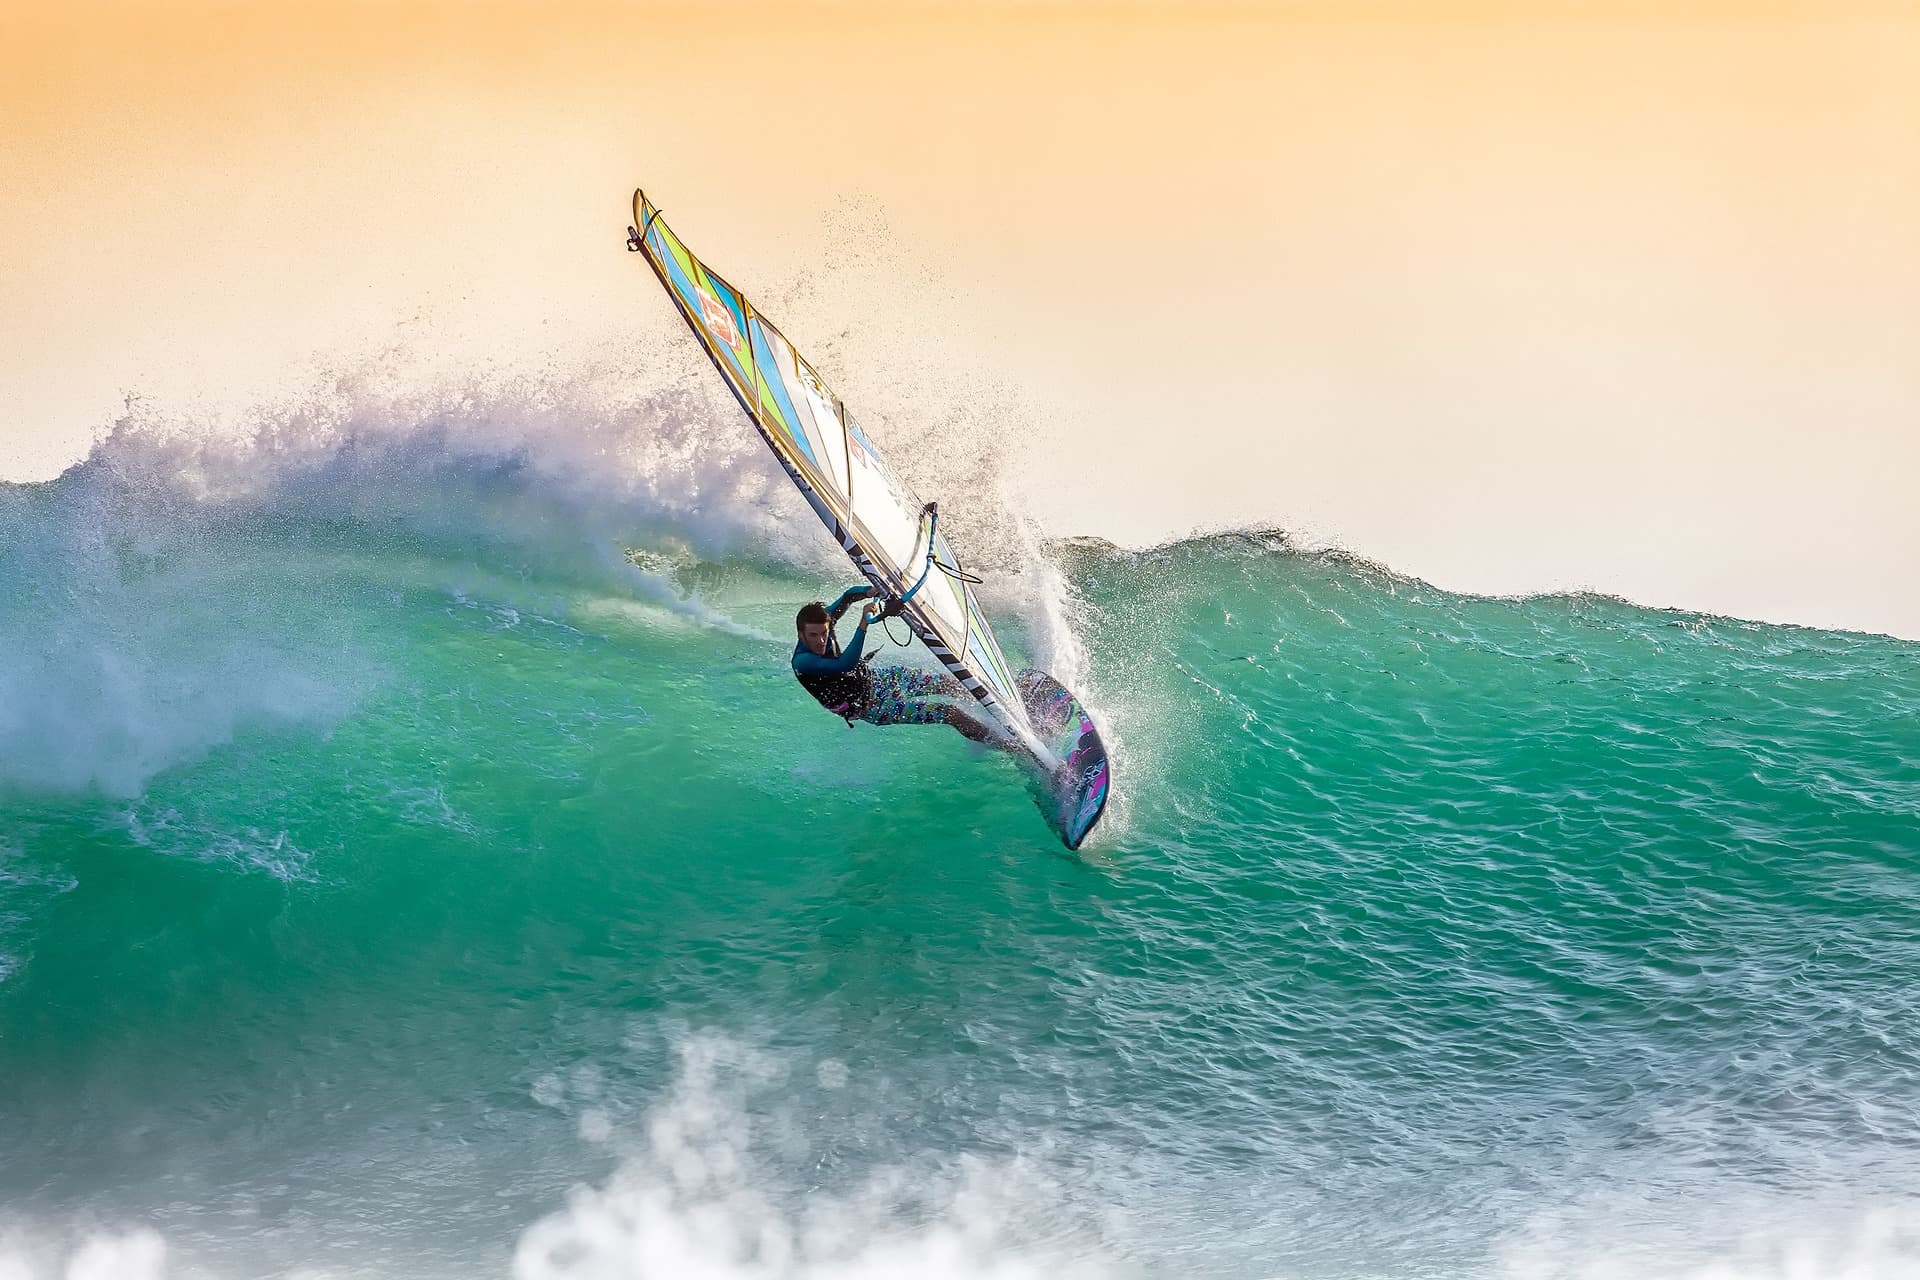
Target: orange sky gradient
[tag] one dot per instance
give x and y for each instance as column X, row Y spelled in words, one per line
column 1512, row 297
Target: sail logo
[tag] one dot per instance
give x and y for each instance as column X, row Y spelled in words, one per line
column 815, row 388
column 719, row 320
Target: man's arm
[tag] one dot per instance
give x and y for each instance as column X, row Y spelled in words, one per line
column 847, row 597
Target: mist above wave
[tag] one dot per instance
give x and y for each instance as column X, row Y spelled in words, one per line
column 176, row 585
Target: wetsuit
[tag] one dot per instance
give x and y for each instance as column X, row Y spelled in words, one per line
column 837, row 679
column 891, row 695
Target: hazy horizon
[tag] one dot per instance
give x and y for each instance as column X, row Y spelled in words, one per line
column 1510, row 299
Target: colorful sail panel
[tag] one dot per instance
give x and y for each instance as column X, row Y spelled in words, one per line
column 890, row 535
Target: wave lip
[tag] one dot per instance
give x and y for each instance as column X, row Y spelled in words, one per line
column 139, row 641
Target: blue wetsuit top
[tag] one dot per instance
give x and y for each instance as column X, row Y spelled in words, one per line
column 835, row 677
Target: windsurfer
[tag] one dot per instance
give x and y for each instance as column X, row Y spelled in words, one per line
column 849, row 688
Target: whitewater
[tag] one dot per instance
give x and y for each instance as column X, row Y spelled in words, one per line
column 416, row 860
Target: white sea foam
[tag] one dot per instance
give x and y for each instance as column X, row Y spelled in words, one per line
column 165, row 829
column 696, row 1197
column 732, row 1173
column 137, row 1254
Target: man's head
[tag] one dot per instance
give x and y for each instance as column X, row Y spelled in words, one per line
column 813, row 625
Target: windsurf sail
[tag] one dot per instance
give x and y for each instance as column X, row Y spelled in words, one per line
column 892, row 537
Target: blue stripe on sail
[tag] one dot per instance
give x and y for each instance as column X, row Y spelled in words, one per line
column 681, row 285
column 770, row 375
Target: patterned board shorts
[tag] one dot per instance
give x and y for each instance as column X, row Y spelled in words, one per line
column 900, row 696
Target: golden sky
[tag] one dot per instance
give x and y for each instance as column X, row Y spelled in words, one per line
column 1510, row 296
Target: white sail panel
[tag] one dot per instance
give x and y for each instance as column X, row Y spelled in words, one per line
column 814, row 406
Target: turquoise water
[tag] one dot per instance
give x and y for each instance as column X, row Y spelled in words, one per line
column 394, row 881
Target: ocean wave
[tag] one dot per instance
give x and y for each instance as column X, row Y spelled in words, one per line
column 1431, row 935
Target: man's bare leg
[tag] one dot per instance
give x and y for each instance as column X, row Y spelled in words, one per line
column 969, row 727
